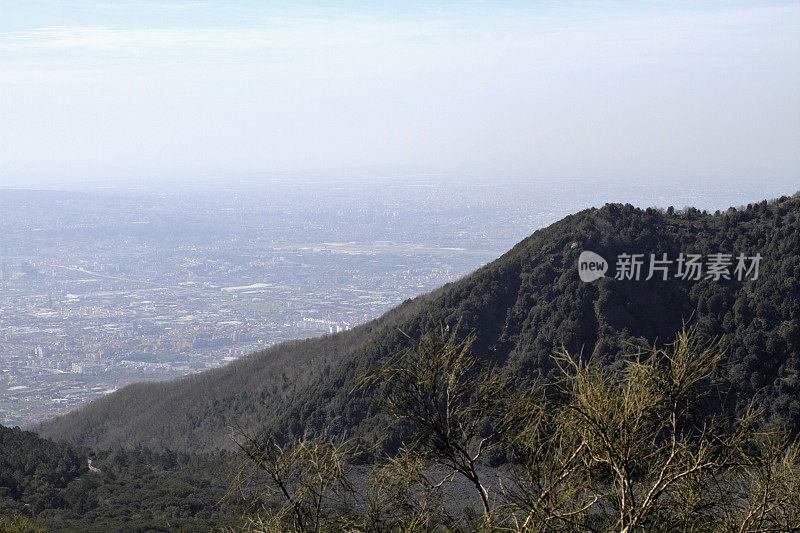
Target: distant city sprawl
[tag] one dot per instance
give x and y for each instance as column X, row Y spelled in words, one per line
column 98, row 290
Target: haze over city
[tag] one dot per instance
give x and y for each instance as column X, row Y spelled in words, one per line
column 266, row 171
column 427, row 265
column 180, row 92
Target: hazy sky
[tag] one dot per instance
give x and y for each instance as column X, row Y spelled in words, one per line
column 152, row 90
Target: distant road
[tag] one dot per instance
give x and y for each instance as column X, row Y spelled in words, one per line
column 201, row 290
column 106, row 276
column 53, row 370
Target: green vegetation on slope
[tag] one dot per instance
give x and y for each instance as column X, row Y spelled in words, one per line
column 644, row 447
column 18, row 524
column 523, row 306
column 52, row 485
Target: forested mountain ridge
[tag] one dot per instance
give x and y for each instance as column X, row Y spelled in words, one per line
column 522, row 307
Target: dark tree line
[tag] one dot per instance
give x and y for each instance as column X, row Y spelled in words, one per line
column 137, row 489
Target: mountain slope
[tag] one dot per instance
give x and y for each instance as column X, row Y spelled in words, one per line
column 522, row 307
column 69, row 488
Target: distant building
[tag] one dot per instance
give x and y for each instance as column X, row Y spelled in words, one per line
column 86, row 369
